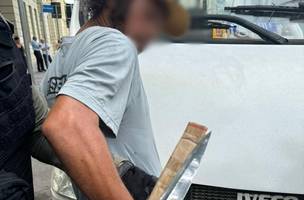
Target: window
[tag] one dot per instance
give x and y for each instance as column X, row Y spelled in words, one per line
column 32, row 22
column 279, row 17
column 57, row 10
column 69, row 9
column 37, row 23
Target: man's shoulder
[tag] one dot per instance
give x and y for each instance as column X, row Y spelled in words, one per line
column 98, row 31
column 105, row 36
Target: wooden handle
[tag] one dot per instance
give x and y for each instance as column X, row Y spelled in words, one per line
column 193, row 134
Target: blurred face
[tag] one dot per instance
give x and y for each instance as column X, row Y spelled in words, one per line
column 144, row 23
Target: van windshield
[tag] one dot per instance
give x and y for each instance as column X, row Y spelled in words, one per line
column 282, row 17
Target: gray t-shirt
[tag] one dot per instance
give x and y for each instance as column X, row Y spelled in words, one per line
column 99, row 67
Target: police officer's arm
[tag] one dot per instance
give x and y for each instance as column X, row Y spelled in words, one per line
column 73, row 131
column 40, row 147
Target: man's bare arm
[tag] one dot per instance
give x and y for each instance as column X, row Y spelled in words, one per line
column 73, row 131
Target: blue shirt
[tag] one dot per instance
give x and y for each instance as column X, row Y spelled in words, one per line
column 35, row 45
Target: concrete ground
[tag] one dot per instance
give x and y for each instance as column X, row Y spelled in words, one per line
column 41, row 172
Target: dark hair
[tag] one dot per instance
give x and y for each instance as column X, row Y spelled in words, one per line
column 162, row 6
column 16, row 38
column 119, row 10
column 92, row 9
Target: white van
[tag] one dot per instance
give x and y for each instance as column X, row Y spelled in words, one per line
column 243, row 77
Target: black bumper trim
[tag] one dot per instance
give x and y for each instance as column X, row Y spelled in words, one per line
column 204, row 192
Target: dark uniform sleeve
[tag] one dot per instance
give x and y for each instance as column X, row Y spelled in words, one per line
column 41, row 149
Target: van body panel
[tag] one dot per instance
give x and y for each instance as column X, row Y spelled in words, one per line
column 250, row 96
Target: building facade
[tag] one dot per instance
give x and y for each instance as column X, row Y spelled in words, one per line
column 42, row 25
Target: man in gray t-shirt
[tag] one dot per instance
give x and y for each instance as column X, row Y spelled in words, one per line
column 95, row 81
column 109, row 83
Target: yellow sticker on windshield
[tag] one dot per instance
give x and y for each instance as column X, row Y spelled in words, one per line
column 219, row 33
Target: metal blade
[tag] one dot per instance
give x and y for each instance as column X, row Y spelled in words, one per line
column 183, row 180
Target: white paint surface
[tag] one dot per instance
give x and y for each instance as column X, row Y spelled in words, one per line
column 251, row 97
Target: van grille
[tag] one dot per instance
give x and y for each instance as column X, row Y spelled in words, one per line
column 203, row 192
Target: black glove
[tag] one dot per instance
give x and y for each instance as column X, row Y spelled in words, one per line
column 139, row 183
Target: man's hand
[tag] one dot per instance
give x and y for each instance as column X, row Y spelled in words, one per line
column 73, row 131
